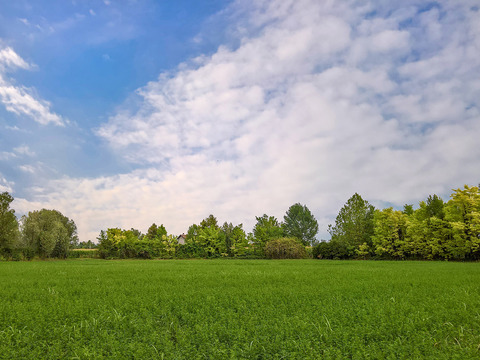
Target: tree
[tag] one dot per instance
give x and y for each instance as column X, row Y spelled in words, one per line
column 427, row 232
column 390, row 228
column 266, row 228
column 299, row 223
column 463, row 213
column 434, row 207
column 49, row 233
column 285, row 248
column 235, row 239
column 9, row 233
column 408, row 209
column 155, row 231
column 353, row 225
column 210, row 221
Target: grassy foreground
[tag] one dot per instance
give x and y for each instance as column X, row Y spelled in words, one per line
column 258, row 309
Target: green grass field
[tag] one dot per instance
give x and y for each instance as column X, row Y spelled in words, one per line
column 239, row 309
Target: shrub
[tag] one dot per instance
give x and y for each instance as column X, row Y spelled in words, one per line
column 335, row 250
column 285, row 248
column 83, row 253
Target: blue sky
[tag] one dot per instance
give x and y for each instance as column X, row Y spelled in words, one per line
column 125, row 113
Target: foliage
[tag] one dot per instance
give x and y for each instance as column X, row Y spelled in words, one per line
column 209, row 222
column 353, row 225
column 266, row 229
column 436, row 230
column 118, row 243
column 285, row 248
column 331, row 250
column 156, row 232
column 390, row 229
column 48, row 233
column 300, row 223
column 83, row 253
column 9, row 233
column 86, row 245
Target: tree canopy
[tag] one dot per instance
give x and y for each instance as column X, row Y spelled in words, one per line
column 300, row 223
column 48, row 233
column 354, row 224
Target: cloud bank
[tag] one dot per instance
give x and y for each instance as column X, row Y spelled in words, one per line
column 316, row 101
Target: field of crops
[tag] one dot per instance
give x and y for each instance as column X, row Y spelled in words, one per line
column 257, row 309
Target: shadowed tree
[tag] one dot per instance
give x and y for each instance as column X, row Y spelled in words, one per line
column 9, row 233
column 353, row 225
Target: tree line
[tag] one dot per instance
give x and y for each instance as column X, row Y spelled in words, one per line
column 435, row 230
column 208, row 239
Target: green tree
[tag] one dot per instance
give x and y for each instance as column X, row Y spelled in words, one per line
column 266, row 229
column 156, row 232
column 428, row 233
column 300, row 223
column 49, row 233
column 434, row 207
column 463, row 214
column 210, row 239
column 210, row 221
column 390, row 227
column 353, row 225
column 235, row 239
column 408, row 209
column 9, row 233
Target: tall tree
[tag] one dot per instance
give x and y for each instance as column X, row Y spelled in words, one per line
column 155, row 232
column 390, row 227
column 210, row 221
column 235, row 238
column 434, row 207
column 49, row 233
column 8, row 225
column 300, row 223
column 463, row 213
column 353, row 225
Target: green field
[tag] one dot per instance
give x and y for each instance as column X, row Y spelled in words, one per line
column 257, row 309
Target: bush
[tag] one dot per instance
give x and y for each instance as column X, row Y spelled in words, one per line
column 82, row 253
column 285, row 248
column 331, row 250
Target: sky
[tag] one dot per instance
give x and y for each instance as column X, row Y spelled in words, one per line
column 132, row 112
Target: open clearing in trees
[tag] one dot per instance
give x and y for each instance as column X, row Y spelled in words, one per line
column 252, row 309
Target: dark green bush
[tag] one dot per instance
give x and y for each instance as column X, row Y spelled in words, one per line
column 331, row 250
column 285, row 248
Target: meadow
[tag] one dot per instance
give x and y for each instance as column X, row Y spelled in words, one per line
column 239, row 309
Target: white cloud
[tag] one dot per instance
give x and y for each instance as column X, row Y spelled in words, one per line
column 27, row 168
column 5, row 155
column 24, row 150
column 10, row 59
column 317, row 102
column 21, row 100
column 5, row 185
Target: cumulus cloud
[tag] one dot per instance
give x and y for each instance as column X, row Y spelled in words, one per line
column 319, row 100
column 21, row 100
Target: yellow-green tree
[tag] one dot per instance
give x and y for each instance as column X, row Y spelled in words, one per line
column 390, row 227
column 463, row 214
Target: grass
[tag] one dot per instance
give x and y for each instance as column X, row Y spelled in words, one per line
column 239, row 309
